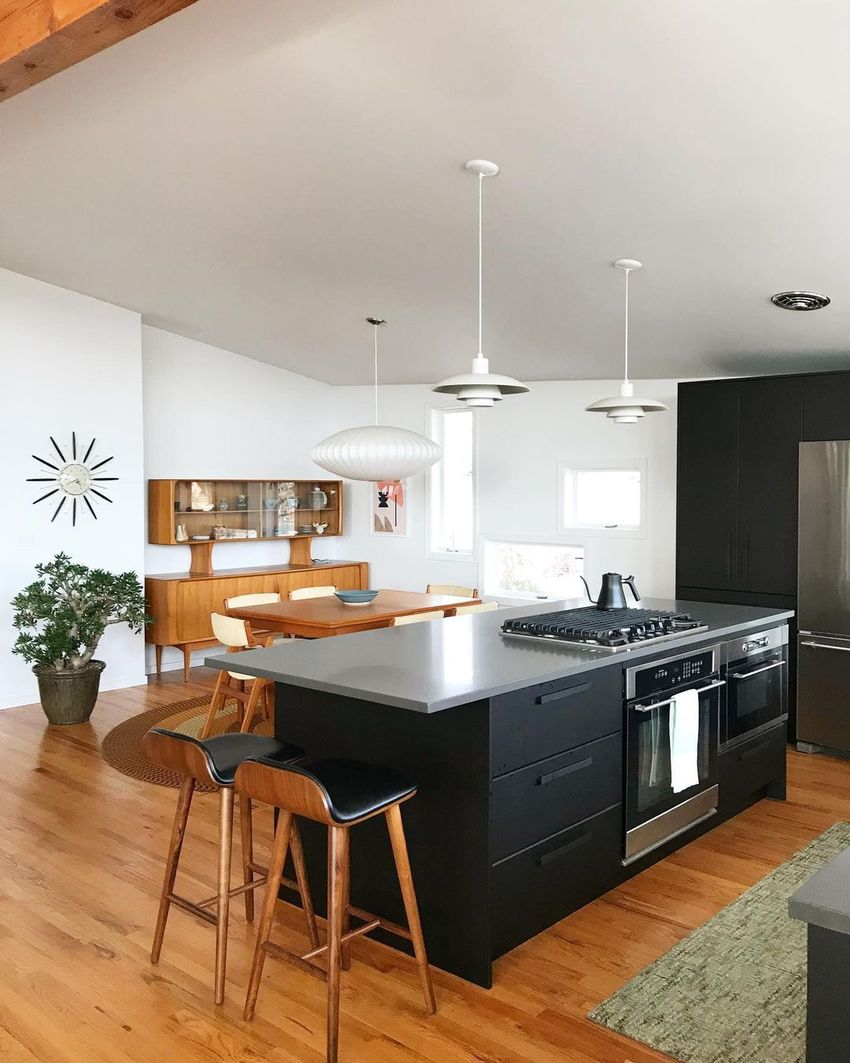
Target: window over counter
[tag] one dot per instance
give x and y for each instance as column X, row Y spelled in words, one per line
column 513, row 569
column 452, row 485
column 602, row 500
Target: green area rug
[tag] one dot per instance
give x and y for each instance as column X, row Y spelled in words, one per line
column 734, row 990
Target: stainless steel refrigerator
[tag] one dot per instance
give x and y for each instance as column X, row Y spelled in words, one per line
column 823, row 597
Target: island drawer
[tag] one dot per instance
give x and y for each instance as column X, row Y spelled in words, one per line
column 537, row 801
column 746, row 769
column 537, row 722
column 542, row 884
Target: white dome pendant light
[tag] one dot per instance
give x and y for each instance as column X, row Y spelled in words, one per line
column 626, row 408
column 480, row 387
column 377, row 453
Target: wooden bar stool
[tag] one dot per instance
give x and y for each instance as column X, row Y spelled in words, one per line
column 339, row 794
column 236, row 635
column 215, row 761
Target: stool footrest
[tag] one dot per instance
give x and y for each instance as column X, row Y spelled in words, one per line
column 385, row 924
column 281, row 953
column 365, row 929
column 237, row 891
column 192, row 909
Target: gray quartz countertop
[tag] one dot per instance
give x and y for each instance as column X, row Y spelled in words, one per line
column 823, row 900
column 431, row 667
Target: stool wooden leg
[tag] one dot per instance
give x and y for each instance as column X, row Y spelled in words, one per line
column 405, row 880
column 303, row 883
column 338, row 868
column 218, row 699
column 276, row 862
column 246, row 822
column 345, row 958
column 225, row 843
column 178, row 831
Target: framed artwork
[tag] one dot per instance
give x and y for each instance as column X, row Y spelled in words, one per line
column 388, row 509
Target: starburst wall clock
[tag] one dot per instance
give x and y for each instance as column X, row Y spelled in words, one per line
column 75, row 478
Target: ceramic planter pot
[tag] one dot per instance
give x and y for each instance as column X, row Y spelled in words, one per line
column 69, row 697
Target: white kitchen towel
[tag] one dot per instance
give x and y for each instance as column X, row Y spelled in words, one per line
column 684, row 740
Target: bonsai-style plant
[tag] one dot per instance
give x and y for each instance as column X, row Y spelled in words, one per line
column 60, row 619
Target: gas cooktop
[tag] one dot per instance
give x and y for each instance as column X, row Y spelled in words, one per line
column 608, row 630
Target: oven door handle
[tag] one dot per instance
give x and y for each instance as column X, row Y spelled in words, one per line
column 757, row 671
column 669, row 701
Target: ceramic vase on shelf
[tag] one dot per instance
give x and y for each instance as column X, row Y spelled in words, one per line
column 180, row 534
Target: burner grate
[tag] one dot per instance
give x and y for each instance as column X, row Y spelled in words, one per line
column 602, row 628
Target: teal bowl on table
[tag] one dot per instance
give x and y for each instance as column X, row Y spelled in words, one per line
column 356, row 597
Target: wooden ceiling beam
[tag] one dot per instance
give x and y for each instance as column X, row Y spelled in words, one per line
column 38, row 38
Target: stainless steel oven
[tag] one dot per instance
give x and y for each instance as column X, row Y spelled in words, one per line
column 755, row 668
column 658, row 806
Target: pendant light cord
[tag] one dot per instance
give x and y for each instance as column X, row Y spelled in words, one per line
column 480, row 264
column 375, row 327
column 626, row 369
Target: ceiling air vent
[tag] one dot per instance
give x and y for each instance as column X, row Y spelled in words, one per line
column 800, row 300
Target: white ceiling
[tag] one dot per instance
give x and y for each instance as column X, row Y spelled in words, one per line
column 261, row 175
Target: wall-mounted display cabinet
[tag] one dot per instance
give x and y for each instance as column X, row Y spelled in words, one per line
column 199, row 513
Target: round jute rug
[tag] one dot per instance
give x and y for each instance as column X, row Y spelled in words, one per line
column 122, row 747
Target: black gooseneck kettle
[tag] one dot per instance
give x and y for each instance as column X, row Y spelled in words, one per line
column 612, row 595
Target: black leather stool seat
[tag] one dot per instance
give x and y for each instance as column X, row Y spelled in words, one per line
column 354, row 789
column 224, row 753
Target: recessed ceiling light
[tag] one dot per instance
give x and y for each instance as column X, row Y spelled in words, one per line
column 800, row 300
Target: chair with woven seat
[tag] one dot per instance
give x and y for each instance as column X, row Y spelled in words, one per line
column 215, row 761
column 338, row 794
column 311, row 592
column 453, row 589
column 236, row 635
column 417, row 618
column 479, row 607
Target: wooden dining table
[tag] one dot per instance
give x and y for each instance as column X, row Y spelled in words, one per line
column 317, row 618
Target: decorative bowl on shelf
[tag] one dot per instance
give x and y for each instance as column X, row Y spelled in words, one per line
column 356, row 597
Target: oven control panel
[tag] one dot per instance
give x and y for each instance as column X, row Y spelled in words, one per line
column 671, row 674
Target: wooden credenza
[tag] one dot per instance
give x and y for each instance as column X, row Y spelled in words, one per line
column 181, row 603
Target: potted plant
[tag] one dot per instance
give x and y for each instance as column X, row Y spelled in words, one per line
column 60, row 619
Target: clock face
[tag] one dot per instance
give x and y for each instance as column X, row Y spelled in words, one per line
column 75, row 477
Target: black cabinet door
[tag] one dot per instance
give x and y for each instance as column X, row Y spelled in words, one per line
column 707, row 491
column 769, row 437
column 826, row 406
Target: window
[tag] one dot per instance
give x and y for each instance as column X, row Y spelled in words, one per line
column 603, row 500
column 453, row 483
column 533, row 570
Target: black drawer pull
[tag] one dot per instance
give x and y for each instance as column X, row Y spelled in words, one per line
column 756, row 749
column 564, row 849
column 559, row 695
column 567, row 770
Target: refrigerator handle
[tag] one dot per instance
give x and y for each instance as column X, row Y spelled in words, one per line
column 825, row 646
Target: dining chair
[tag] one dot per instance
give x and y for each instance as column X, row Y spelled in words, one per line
column 480, row 607
column 236, row 635
column 242, row 601
column 451, row 588
column 417, row 618
column 311, row 592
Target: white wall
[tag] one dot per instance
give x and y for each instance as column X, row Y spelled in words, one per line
column 211, row 413
column 70, row 364
column 520, row 443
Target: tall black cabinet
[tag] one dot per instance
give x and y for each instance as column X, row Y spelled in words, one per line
column 736, row 535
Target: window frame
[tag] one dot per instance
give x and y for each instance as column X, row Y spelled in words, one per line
column 523, row 540
column 431, row 552
column 585, row 531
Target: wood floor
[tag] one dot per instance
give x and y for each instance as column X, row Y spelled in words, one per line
column 81, row 855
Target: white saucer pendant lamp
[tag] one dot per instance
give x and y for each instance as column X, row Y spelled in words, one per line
column 480, row 387
column 626, row 408
column 376, row 452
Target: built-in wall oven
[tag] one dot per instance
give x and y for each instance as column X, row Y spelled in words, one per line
column 755, row 668
column 668, row 730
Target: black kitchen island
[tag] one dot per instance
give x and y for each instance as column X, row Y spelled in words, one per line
column 519, row 750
